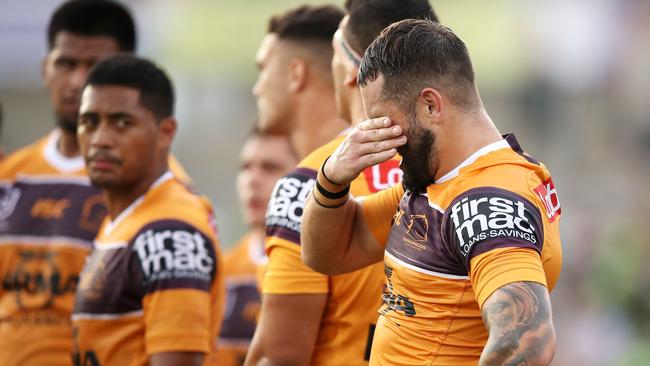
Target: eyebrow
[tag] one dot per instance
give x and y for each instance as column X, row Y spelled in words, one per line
column 114, row 115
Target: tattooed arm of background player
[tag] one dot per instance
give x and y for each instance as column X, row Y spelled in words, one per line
column 518, row 318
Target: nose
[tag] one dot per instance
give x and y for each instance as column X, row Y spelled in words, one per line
column 256, row 88
column 102, row 136
column 78, row 77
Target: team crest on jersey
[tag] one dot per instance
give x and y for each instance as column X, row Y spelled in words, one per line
column 383, row 176
column 9, row 196
column 175, row 251
column 284, row 213
column 495, row 215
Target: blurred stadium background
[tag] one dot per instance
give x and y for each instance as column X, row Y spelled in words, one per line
column 570, row 77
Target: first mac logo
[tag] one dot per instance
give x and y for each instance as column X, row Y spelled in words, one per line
column 493, row 214
column 174, row 254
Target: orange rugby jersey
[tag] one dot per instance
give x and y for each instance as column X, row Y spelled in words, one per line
column 350, row 315
column 153, row 282
column 491, row 221
column 242, row 301
column 49, row 216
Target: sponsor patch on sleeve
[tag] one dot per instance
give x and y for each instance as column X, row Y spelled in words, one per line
column 487, row 218
column 548, row 195
column 284, row 212
column 174, row 254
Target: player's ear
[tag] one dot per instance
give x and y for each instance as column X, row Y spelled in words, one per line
column 351, row 72
column 430, row 106
column 167, row 130
column 44, row 69
column 297, row 75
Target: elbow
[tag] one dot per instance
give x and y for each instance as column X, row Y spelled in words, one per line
column 312, row 261
column 546, row 350
column 281, row 360
column 531, row 349
column 541, row 349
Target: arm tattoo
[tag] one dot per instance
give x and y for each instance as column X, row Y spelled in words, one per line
column 518, row 318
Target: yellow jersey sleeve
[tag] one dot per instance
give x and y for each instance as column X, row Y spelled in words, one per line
column 176, row 320
column 379, row 210
column 287, row 274
column 499, row 267
column 177, row 265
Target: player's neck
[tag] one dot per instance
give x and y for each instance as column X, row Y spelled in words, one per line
column 465, row 136
column 357, row 113
column 317, row 123
column 118, row 200
column 68, row 145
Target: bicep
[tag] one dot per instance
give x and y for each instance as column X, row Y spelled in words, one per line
column 520, row 326
column 287, row 329
column 176, row 359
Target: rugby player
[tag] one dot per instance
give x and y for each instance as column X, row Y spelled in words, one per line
column 151, row 292
column 469, row 241
column 309, row 318
column 264, row 159
column 49, row 212
column 294, row 86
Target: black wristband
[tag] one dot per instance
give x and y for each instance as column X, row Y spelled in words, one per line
column 325, row 206
column 332, row 195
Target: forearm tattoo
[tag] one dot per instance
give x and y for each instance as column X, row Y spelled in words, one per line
column 518, row 318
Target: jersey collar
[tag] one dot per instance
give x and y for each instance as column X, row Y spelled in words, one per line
column 57, row 160
column 501, row 144
column 110, row 225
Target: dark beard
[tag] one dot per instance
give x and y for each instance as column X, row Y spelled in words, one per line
column 67, row 124
column 416, row 158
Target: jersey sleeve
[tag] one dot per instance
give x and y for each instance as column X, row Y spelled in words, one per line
column 499, row 267
column 379, row 210
column 285, row 272
column 177, row 265
column 497, row 236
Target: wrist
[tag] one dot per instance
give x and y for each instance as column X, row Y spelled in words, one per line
column 328, row 193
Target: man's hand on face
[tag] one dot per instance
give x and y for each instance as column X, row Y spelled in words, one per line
column 370, row 143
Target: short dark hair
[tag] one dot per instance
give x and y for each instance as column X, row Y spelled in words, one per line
column 414, row 54
column 94, row 18
column 367, row 18
column 155, row 87
column 307, row 23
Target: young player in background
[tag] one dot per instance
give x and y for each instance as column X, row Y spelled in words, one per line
column 264, row 159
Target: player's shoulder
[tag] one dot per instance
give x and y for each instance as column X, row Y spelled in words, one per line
column 318, row 156
column 175, row 204
column 238, row 250
column 20, row 159
column 502, row 170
